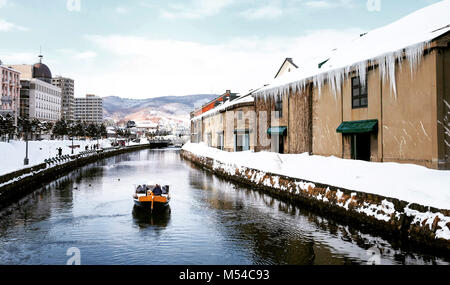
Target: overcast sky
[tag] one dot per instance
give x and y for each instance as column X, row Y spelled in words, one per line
column 152, row 48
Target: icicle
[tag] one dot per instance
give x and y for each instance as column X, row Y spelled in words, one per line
column 414, row 55
column 362, row 72
column 391, row 61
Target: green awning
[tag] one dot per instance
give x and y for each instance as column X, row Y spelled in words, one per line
column 358, row 127
column 277, row 131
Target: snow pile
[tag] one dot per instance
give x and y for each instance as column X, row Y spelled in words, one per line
column 410, row 183
column 12, row 154
column 407, row 37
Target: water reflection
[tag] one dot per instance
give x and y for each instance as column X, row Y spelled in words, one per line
column 210, row 221
column 143, row 218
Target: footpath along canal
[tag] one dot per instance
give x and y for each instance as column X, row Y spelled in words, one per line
column 211, row 221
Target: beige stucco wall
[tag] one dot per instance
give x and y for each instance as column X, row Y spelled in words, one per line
column 373, row 111
column 407, row 130
column 326, row 117
column 213, row 125
column 409, row 118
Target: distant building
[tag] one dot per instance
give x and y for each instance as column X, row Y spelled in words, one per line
column 67, row 97
column 10, row 91
column 89, row 109
column 39, row 99
column 287, row 66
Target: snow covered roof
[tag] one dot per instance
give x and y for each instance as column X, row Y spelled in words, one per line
column 287, row 61
column 222, row 107
column 382, row 46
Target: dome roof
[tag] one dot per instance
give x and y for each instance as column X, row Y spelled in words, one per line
column 41, row 70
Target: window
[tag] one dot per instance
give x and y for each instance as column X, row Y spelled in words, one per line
column 220, row 140
column 279, row 107
column 359, row 94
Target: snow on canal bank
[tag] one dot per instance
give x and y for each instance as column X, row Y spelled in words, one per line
column 406, row 182
column 12, row 154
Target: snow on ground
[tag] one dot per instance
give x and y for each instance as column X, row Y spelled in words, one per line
column 407, row 182
column 12, row 154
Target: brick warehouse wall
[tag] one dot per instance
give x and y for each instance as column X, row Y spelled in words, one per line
column 297, row 117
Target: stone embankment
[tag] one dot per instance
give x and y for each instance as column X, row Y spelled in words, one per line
column 415, row 224
column 15, row 185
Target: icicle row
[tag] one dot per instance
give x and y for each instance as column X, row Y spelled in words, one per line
column 386, row 65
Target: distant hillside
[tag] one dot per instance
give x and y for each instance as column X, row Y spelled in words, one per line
column 161, row 110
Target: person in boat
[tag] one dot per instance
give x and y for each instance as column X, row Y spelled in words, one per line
column 140, row 189
column 157, row 191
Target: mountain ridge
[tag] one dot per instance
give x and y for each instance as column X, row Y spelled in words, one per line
column 164, row 110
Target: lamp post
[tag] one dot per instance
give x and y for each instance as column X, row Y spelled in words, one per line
column 98, row 134
column 26, row 161
column 72, row 134
column 23, row 128
column 26, row 128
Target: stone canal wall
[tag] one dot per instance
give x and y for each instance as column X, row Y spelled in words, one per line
column 16, row 185
column 408, row 223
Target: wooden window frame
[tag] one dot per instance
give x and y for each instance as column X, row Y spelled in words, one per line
column 362, row 93
column 279, row 107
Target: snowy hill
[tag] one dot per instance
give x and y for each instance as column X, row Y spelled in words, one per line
column 159, row 110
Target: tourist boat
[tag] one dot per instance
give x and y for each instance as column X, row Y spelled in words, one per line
column 145, row 198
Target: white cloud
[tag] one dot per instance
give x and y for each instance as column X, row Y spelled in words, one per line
column 325, row 4
column 85, row 55
column 4, row 3
column 18, row 57
column 195, row 9
column 264, row 12
column 142, row 67
column 6, row 26
column 121, row 10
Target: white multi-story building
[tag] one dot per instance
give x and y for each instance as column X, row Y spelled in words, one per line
column 67, row 97
column 45, row 101
column 9, row 92
column 89, row 109
column 39, row 99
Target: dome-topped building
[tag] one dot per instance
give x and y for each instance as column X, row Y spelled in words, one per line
column 42, row 72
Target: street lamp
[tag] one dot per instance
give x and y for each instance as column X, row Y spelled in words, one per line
column 72, row 133
column 26, row 130
column 22, row 129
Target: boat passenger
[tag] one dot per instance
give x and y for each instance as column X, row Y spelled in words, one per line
column 157, row 191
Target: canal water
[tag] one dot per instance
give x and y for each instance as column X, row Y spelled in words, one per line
column 210, row 221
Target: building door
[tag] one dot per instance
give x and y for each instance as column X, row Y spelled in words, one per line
column 220, row 140
column 241, row 141
column 209, row 139
column 281, row 147
column 278, row 143
column 361, row 147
